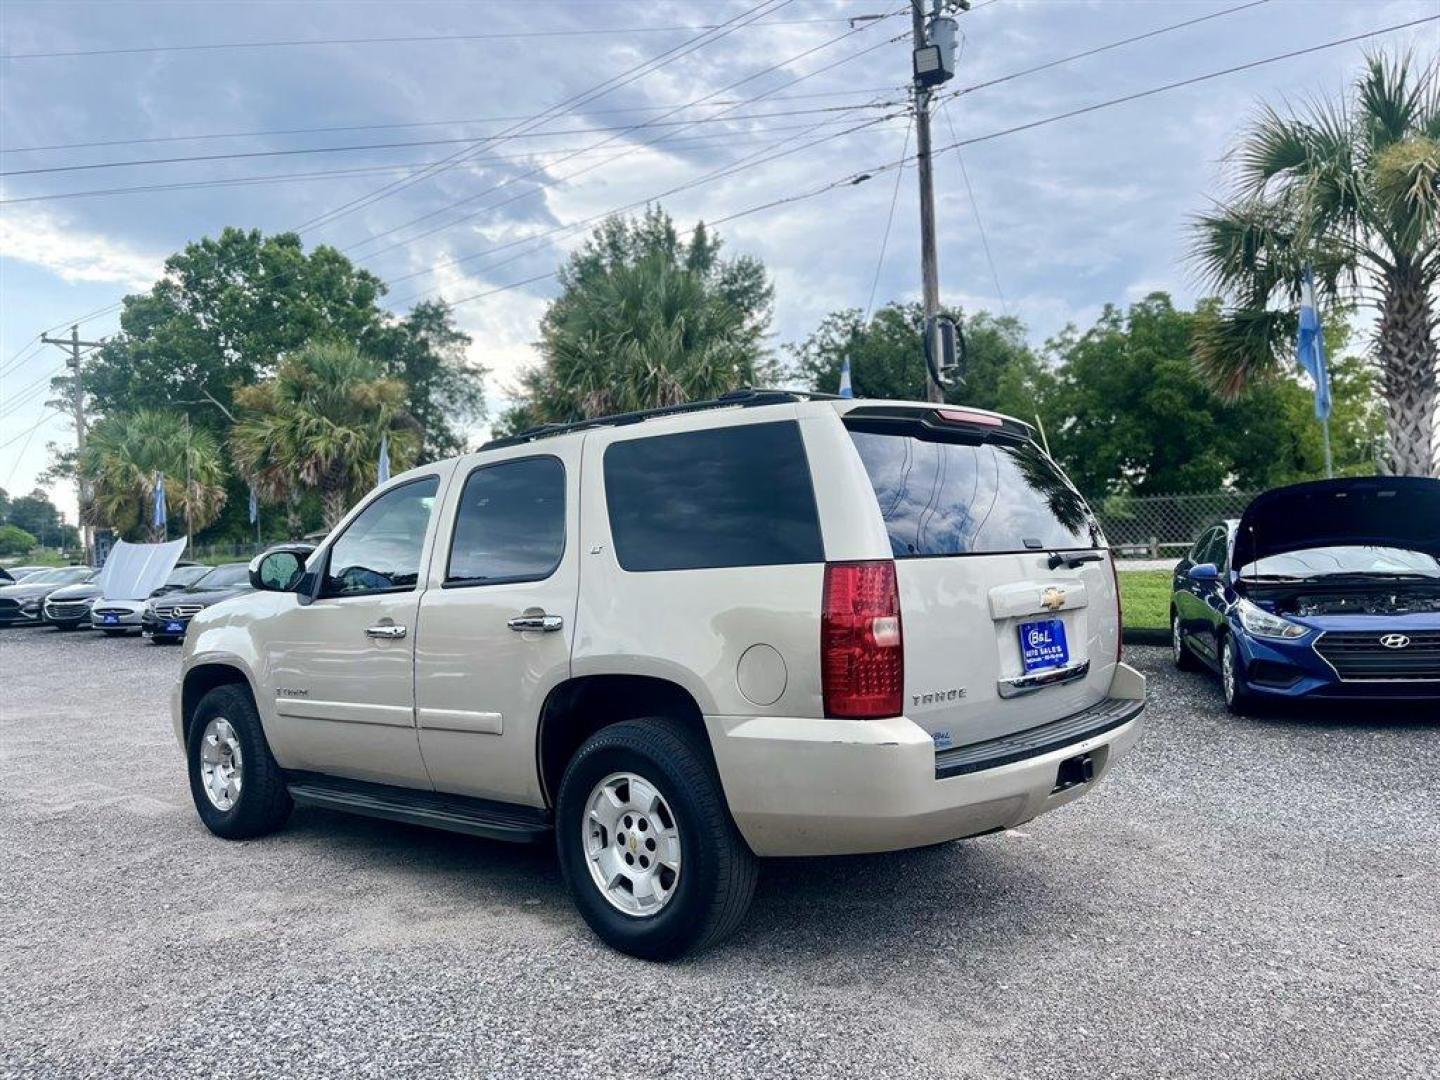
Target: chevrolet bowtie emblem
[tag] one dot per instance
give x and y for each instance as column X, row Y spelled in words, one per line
column 1052, row 599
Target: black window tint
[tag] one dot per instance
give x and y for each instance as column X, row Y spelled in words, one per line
column 733, row 496
column 380, row 549
column 511, row 524
column 1201, row 546
column 964, row 498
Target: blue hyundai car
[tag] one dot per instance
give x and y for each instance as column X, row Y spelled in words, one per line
column 1325, row 590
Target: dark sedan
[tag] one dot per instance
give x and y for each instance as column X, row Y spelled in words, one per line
column 166, row 617
column 69, row 607
column 20, row 603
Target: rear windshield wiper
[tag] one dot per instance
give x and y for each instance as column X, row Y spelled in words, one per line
column 1074, row 558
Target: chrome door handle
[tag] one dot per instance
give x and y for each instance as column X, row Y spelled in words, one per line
column 385, row 630
column 546, row 623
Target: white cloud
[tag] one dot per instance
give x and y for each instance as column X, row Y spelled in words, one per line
column 41, row 239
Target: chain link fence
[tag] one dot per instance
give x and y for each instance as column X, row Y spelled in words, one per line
column 1163, row 526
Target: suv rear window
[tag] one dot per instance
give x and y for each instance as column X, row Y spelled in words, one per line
column 971, row 498
column 731, row 496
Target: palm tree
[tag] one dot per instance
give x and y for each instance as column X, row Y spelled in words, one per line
column 318, row 424
column 1353, row 188
column 125, row 452
column 650, row 333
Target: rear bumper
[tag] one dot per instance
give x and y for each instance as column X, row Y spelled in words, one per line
column 799, row 786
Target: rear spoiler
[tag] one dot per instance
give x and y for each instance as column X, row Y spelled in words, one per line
column 939, row 422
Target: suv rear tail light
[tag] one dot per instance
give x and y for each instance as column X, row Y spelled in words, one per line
column 862, row 654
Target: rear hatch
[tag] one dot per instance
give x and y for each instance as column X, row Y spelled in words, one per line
column 1007, row 593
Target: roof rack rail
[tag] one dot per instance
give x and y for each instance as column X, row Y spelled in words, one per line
column 745, row 398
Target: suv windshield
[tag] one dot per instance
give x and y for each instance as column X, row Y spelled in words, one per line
column 1329, row 561
column 972, row 498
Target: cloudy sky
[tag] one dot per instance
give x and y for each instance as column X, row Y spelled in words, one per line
column 1078, row 213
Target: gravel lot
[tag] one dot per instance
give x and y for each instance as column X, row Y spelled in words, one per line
column 1241, row 898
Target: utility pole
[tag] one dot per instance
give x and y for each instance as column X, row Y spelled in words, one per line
column 74, row 345
column 929, row 258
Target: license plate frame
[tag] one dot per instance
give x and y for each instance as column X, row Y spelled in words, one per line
column 174, row 626
column 109, row 620
column 1043, row 646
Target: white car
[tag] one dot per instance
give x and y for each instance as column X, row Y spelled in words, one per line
column 117, row 617
column 676, row 643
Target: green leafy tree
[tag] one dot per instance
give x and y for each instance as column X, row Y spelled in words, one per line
column 126, row 451
column 318, row 424
column 444, row 391
column 1128, row 412
column 37, row 515
column 223, row 313
column 1353, row 187
column 644, row 320
column 16, row 541
column 887, row 359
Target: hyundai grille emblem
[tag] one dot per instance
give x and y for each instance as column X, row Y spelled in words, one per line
column 1395, row 641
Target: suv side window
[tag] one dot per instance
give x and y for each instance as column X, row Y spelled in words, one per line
column 511, row 523
column 730, row 496
column 380, row 550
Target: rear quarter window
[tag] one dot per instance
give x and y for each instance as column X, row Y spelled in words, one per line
column 971, row 497
column 731, row 496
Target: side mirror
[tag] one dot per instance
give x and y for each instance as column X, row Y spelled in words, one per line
column 1205, row 571
column 280, row 569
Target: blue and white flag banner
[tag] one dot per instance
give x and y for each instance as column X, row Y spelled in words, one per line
column 846, row 391
column 1310, row 345
column 161, row 516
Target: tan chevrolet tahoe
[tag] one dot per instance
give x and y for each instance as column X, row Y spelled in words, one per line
column 678, row 642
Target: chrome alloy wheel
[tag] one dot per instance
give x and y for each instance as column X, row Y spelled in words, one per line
column 1227, row 672
column 632, row 844
column 220, row 762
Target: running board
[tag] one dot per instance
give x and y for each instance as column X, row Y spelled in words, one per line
column 453, row 813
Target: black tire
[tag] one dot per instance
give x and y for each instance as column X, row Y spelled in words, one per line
column 1238, row 698
column 718, row 870
column 1179, row 651
column 263, row 804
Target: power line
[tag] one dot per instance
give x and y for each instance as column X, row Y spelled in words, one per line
column 974, row 209
column 29, row 431
column 407, row 124
column 586, row 31
column 889, row 221
column 1110, row 45
column 575, row 226
column 657, row 122
column 22, row 397
column 1186, row 82
column 726, row 138
column 860, row 177
column 638, row 71
column 411, row 143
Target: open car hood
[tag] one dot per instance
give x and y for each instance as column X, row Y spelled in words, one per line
column 1379, row 511
column 134, row 571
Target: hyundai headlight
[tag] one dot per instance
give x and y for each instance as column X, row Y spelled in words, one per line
column 1265, row 624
